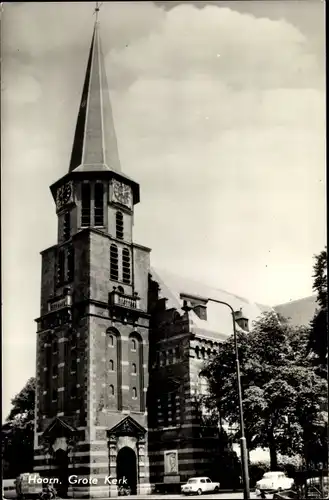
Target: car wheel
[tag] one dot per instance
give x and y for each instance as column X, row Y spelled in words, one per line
column 216, row 490
column 199, row 492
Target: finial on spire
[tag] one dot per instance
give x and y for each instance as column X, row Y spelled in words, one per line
column 98, row 5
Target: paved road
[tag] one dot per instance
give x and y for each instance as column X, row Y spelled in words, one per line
column 217, row 496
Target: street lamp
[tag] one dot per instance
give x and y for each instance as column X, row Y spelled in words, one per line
column 243, row 442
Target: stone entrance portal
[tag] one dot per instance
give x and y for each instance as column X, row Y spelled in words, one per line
column 127, row 456
column 57, row 440
column 127, row 469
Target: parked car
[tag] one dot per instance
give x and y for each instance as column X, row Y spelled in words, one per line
column 199, row 485
column 274, row 481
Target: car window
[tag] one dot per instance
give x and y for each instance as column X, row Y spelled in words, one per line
column 192, row 481
column 203, row 480
column 208, row 480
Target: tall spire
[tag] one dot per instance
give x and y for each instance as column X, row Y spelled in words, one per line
column 95, row 145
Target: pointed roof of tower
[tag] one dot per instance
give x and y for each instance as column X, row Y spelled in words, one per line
column 95, row 145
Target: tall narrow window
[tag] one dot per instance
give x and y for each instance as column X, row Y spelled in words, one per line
column 70, row 264
column 125, row 265
column 54, row 395
column 99, row 204
column 134, row 393
column 67, row 226
column 85, row 205
column 133, row 344
column 133, row 369
column 114, row 263
column 111, row 365
column 119, row 225
column 60, row 266
column 111, row 390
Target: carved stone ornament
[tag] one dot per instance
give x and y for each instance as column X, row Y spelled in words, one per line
column 127, row 428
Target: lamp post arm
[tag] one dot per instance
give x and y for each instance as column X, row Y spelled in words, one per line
column 243, row 442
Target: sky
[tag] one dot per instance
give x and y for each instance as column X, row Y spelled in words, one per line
column 219, row 109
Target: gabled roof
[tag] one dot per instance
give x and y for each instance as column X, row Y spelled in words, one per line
column 219, row 320
column 299, row 312
column 59, row 424
column 95, row 145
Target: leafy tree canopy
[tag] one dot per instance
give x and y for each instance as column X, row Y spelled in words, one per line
column 318, row 340
column 18, row 432
column 281, row 391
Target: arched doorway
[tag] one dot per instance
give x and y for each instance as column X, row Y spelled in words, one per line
column 127, row 469
column 62, row 465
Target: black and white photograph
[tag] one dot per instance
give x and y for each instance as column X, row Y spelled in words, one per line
column 164, row 250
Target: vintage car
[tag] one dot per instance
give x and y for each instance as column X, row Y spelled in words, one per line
column 274, row 481
column 199, row 485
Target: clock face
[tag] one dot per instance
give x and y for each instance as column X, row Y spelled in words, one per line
column 63, row 195
column 122, row 194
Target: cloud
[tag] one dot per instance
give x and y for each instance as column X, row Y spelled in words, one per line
column 265, row 54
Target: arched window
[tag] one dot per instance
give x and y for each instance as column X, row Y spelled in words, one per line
column 74, row 392
column 54, row 395
column 133, row 345
column 114, row 263
column 111, row 340
column 125, row 265
column 133, row 369
column 119, row 225
column 111, row 365
column 85, row 205
column 99, row 204
column 134, row 393
column 111, row 390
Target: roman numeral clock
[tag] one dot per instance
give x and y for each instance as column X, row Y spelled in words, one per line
column 121, row 194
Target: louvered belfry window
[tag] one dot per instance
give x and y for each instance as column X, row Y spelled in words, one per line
column 119, row 225
column 114, row 263
column 99, row 204
column 85, row 205
column 125, row 266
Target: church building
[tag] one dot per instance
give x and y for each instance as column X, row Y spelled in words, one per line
column 120, row 345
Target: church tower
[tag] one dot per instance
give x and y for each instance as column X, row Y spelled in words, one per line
column 92, row 333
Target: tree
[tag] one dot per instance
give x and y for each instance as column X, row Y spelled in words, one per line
column 318, row 340
column 281, row 391
column 18, row 432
